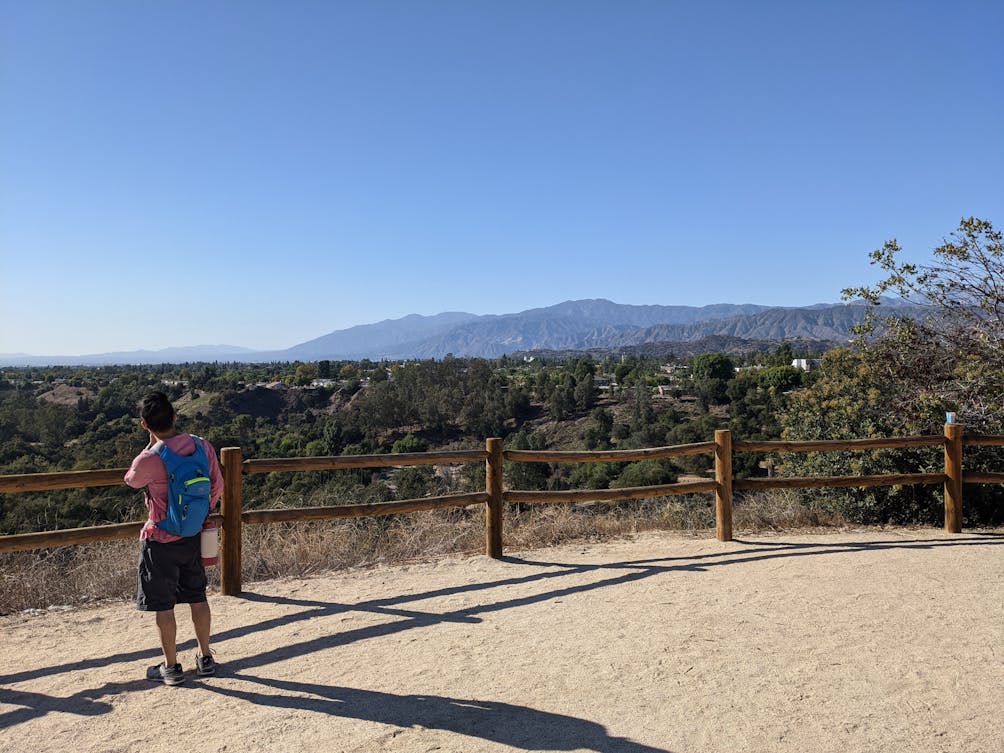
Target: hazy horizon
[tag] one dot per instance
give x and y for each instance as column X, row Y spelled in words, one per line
column 237, row 347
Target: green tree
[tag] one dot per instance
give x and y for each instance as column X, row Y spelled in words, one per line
column 561, row 401
column 625, row 372
column 409, row 443
column 782, row 356
column 712, row 366
column 594, row 475
column 912, row 364
column 305, row 373
column 852, row 400
column 527, row 476
column 646, row 473
column 948, row 349
column 755, row 407
column 779, row 378
column 711, row 373
column 414, row 482
column 584, row 392
column 597, row 436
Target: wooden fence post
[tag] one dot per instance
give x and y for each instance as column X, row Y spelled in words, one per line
column 230, row 532
column 953, row 482
column 723, row 479
column 493, row 486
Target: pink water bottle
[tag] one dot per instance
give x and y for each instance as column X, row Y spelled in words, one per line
column 210, row 541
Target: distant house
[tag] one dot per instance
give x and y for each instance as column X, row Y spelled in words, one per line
column 807, row 364
column 323, row 383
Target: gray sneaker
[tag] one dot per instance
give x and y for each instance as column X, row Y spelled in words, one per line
column 205, row 666
column 165, row 674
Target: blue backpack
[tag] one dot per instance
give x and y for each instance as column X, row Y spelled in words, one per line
column 187, row 489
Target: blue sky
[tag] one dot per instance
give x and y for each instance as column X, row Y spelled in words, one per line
column 262, row 173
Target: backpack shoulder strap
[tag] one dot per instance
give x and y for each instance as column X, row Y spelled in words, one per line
column 160, row 449
column 165, row 452
column 200, row 448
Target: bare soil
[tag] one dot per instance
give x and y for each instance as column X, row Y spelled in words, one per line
column 866, row 640
column 65, row 394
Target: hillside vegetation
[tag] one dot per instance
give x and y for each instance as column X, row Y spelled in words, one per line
column 903, row 373
column 85, row 418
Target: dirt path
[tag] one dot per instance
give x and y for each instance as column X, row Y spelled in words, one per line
column 862, row 641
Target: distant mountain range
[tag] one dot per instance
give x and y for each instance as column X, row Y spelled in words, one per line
column 569, row 326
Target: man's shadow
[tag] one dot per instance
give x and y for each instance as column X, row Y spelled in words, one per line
column 615, row 573
column 519, row 727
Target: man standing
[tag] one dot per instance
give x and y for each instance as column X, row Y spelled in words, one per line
column 170, row 566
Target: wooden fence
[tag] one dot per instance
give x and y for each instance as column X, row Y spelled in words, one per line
column 231, row 517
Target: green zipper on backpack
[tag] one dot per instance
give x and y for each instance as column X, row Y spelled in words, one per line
column 188, row 483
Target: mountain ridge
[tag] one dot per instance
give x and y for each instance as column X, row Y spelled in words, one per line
column 571, row 325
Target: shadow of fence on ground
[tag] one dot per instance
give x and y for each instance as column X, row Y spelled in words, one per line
column 87, row 702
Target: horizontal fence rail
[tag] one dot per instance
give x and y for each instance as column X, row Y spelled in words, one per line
column 21, row 542
column 232, row 517
column 820, row 482
column 606, row 456
column 983, row 478
column 45, row 482
column 983, row 440
column 834, row 445
column 346, row 462
column 368, row 510
column 610, row 495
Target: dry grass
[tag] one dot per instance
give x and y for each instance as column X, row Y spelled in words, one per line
column 107, row 571
column 780, row 509
column 67, row 576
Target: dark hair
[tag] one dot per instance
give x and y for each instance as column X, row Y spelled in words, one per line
column 157, row 411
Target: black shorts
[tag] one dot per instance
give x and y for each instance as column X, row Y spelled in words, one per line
column 170, row 574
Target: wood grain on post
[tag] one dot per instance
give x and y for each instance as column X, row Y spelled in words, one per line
column 493, row 486
column 230, row 531
column 953, row 478
column 723, row 481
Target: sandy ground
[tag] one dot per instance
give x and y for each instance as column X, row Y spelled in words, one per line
column 886, row 640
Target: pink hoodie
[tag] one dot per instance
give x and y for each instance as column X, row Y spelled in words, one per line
column 147, row 470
